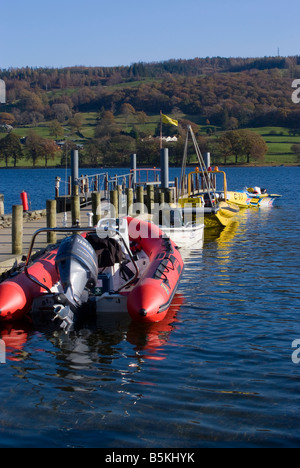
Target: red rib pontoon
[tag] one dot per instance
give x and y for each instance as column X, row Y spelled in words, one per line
column 123, row 265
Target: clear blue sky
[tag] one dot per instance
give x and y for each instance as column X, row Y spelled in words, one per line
column 59, row 33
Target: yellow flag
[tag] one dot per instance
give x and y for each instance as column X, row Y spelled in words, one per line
column 168, row 120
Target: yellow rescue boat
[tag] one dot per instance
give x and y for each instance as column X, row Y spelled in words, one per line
column 252, row 197
column 217, row 211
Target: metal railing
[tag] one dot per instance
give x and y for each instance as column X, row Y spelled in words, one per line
column 146, row 176
column 98, row 182
column 94, row 183
column 104, row 182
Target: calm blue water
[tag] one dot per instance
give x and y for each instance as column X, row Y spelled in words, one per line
column 39, row 184
column 217, row 373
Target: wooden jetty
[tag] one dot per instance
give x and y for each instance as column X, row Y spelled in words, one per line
column 88, row 199
column 9, row 259
column 15, row 239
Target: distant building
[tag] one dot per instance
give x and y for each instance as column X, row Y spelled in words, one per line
column 170, row 139
column 2, row 92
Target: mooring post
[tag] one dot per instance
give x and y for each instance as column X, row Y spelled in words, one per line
column 161, row 197
column 129, row 193
column 150, row 198
column 51, row 220
column 122, row 209
column 74, row 169
column 133, row 167
column 96, row 207
column 17, row 229
column 164, row 165
column 169, row 196
column 140, row 198
column 75, row 210
column 207, row 160
column 114, row 201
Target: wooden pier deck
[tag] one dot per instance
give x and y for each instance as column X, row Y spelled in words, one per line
column 117, row 198
column 7, row 259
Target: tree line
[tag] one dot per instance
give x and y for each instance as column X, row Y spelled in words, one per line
column 35, row 150
column 111, row 145
column 229, row 92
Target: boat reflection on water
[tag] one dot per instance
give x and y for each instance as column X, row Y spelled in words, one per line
column 150, row 340
column 95, row 339
column 222, row 235
column 15, row 336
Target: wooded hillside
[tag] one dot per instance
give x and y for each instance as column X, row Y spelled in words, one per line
column 220, row 93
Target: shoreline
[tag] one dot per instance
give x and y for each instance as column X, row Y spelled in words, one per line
column 145, row 166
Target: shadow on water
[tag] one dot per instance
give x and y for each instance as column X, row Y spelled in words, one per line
column 96, row 338
column 84, row 383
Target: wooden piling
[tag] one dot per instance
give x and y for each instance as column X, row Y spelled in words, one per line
column 17, row 229
column 161, row 197
column 129, row 194
column 150, row 198
column 75, row 209
column 120, row 200
column 140, row 198
column 169, row 196
column 114, row 201
column 96, row 207
column 51, row 220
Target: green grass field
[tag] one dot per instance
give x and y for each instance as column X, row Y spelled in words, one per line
column 278, row 139
column 279, row 143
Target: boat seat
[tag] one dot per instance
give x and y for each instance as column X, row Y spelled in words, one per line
column 109, row 250
column 119, row 224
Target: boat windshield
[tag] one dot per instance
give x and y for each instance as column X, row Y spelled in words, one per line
column 172, row 218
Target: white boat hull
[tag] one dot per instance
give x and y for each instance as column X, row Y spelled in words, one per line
column 186, row 237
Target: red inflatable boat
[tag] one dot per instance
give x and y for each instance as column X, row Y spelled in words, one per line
column 124, row 265
column 17, row 293
column 151, row 297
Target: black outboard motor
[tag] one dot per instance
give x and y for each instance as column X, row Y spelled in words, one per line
column 77, row 264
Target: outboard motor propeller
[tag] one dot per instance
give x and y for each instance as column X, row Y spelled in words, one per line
column 77, row 264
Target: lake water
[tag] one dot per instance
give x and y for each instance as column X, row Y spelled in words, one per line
column 218, row 372
column 39, row 184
